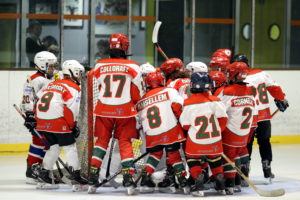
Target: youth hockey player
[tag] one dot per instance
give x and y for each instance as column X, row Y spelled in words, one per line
column 45, row 64
column 57, row 111
column 204, row 117
column 240, row 106
column 119, row 80
column 158, row 111
column 262, row 84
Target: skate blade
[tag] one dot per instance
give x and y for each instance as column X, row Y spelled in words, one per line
column 237, row 188
column 79, row 187
column 31, row 181
column 222, row 192
column 198, row 194
column 244, row 184
column 145, row 189
column 186, row 190
column 229, row 191
column 171, row 190
column 92, row 190
column 47, row 186
column 131, row 190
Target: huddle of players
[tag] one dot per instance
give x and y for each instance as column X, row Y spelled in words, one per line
column 183, row 114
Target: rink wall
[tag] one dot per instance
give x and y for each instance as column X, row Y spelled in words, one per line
column 14, row 137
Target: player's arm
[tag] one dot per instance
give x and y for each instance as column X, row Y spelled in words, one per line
column 136, row 89
column 177, row 102
column 220, row 113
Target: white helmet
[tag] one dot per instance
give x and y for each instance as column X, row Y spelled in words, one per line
column 73, row 68
column 197, row 67
column 43, row 59
column 147, row 68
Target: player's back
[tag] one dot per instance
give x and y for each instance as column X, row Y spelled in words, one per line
column 116, row 78
column 155, row 110
column 58, row 102
column 240, row 105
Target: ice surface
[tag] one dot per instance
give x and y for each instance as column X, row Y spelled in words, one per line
column 286, row 167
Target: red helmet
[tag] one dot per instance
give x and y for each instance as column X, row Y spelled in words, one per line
column 171, row 65
column 119, row 41
column 218, row 78
column 155, row 80
column 222, row 53
column 219, row 63
column 237, row 71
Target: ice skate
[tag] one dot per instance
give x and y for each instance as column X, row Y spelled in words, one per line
column 168, row 185
column 31, row 178
column 197, row 189
column 147, row 184
column 229, row 186
column 266, row 164
column 128, row 181
column 93, row 179
column 78, row 183
column 183, row 183
column 46, row 180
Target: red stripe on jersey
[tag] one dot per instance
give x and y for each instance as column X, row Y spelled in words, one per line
column 36, row 75
column 66, row 94
column 254, row 71
column 69, row 117
column 70, row 83
column 200, row 98
column 177, row 109
column 222, row 122
column 276, row 92
column 237, row 90
column 134, row 93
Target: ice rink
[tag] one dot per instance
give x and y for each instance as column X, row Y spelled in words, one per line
column 286, row 167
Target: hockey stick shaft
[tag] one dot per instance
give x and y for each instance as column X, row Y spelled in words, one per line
column 261, row 192
column 274, row 113
column 110, row 155
column 119, row 172
column 43, row 140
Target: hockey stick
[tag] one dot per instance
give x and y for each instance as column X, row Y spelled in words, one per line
column 261, row 192
column 274, row 113
column 118, row 172
column 155, row 40
column 43, row 140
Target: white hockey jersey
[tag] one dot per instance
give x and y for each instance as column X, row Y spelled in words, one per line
column 182, row 85
column 261, row 83
column 158, row 111
column 58, row 106
column 34, row 84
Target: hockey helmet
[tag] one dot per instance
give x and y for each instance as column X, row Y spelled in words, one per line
column 119, row 41
column 200, row 82
column 237, row 71
column 155, row 80
column 197, row 67
column 241, row 58
column 147, row 68
column 218, row 78
column 74, row 69
column 222, row 53
column 219, row 64
column 46, row 63
column 171, row 65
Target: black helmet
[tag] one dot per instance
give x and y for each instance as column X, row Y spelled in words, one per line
column 200, row 82
column 241, row 58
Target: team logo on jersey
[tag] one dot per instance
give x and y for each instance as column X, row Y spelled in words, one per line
column 152, row 100
column 242, row 101
column 120, row 111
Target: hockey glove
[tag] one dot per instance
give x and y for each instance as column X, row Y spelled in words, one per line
column 281, row 105
column 76, row 131
column 30, row 122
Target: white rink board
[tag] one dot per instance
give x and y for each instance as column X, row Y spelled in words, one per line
column 13, row 131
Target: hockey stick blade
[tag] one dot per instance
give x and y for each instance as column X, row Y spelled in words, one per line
column 261, row 192
column 155, row 39
column 118, row 172
column 155, row 32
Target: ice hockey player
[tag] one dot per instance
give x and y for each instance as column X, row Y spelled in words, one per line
column 262, row 84
column 204, row 117
column 159, row 110
column 45, row 64
column 119, row 80
column 225, row 53
column 57, row 110
column 173, row 69
column 146, row 68
column 240, row 106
